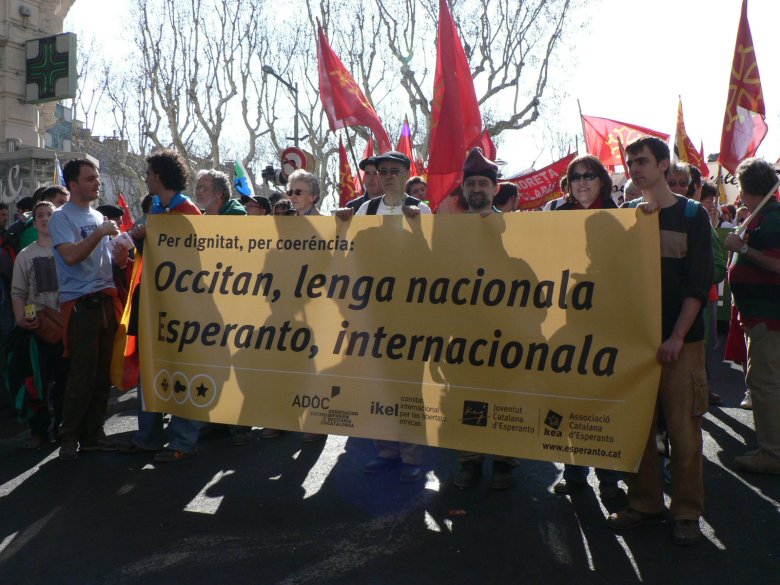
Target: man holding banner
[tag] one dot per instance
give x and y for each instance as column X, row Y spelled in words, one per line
column 686, row 276
column 755, row 283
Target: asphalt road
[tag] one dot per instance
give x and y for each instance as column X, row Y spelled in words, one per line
column 283, row 512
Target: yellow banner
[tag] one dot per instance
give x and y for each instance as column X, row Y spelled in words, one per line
column 527, row 334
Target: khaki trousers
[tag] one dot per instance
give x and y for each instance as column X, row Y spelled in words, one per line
column 683, row 399
column 763, row 379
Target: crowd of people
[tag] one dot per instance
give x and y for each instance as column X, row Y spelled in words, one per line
column 67, row 279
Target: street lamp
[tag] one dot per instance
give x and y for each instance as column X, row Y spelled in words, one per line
column 294, row 89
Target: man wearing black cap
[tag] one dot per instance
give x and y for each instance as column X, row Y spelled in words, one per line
column 480, row 186
column 257, row 205
column 393, row 168
column 371, row 183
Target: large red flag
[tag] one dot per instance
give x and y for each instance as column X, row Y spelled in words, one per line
column 685, row 149
column 744, row 127
column 488, row 146
column 601, row 137
column 346, row 181
column 456, row 124
column 360, row 176
column 538, row 187
column 405, row 146
column 342, row 99
column 127, row 217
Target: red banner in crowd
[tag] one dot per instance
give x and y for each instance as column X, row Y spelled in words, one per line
column 539, row 187
column 685, row 149
column 342, row 99
column 456, row 124
column 744, row 127
column 602, row 134
column 127, row 217
column 405, row 146
column 346, row 180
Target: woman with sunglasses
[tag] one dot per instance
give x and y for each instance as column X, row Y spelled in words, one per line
column 304, row 192
column 590, row 187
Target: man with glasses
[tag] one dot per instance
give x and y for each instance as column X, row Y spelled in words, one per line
column 678, row 179
column 393, row 168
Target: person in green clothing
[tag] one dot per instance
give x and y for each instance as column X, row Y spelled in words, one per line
column 56, row 195
column 212, row 193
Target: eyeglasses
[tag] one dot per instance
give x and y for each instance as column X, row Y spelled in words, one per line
column 674, row 183
column 584, row 176
column 296, row 192
column 393, row 172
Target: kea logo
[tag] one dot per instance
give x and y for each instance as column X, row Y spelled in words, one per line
column 552, row 422
column 475, row 413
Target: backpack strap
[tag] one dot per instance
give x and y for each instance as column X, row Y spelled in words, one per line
column 691, row 206
column 409, row 201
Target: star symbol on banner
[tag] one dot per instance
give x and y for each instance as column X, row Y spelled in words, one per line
column 201, row 390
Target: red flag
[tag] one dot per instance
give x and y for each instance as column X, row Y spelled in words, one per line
column 405, row 146
column 685, row 149
column 601, row 137
column 346, row 181
column 539, row 187
column 456, row 124
column 342, row 99
column 488, row 146
column 127, row 217
column 360, row 177
column 623, row 157
column 744, row 127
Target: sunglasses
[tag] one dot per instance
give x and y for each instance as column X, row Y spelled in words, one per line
column 296, row 192
column 584, row 176
column 393, row 172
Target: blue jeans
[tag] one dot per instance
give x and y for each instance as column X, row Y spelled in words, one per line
column 579, row 474
column 184, row 432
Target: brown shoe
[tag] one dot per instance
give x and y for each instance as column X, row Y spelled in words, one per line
column 758, row 462
column 630, row 518
column 686, row 532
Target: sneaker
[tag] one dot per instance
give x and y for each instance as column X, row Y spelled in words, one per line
column 566, row 488
column 312, row 437
column 69, row 451
column 686, row 532
column 378, row 464
column 171, row 455
column 268, row 433
column 468, row 475
column 610, row 491
column 758, row 462
column 101, row 444
column 630, row 518
column 34, row 442
column 502, row 476
column 747, row 401
column 411, row 473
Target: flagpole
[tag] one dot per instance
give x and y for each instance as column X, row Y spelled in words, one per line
column 582, row 122
column 354, row 160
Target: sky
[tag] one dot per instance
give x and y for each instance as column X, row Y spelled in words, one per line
column 630, row 63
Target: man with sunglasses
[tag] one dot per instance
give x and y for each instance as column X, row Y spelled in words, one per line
column 678, row 179
column 393, row 168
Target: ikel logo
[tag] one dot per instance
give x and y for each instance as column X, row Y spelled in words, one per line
column 475, row 413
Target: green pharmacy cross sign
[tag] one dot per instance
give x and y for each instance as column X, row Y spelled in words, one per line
column 51, row 68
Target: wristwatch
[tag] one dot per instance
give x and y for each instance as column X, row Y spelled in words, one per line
column 744, row 249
